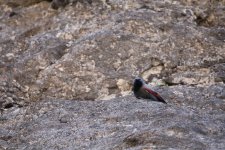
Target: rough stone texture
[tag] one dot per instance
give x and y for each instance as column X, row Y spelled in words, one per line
column 20, row 3
column 81, row 51
column 193, row 119
column 93, row 52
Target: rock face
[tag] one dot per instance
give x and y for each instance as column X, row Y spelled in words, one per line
column 193, row 119
column 93, row 51
column 83, row 51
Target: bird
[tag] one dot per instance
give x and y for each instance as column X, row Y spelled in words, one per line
column 142, row 90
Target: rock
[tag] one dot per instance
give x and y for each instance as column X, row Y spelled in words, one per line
column 21, row 3
column 219, row 70
column 80, row 52
column 194, row 119
column 64, row 119
column 153, row 71
column 123, row 85
column 83, row 54
column 59, row 3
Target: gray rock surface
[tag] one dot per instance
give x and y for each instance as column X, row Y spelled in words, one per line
column 193, row 119
column 85, row 53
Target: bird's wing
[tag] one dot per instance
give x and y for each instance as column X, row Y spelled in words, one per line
column 158, row 97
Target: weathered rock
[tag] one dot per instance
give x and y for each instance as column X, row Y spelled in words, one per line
column 81, row 51
column 89, row 52
column 219, row 70
column 193, row 119
column 59, row 3
column 21, row 3
column 62, row 3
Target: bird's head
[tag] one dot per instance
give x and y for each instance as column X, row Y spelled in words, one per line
column 138, row 83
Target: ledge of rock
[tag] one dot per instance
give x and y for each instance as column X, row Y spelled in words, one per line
column 84, row 51
column 193, row 119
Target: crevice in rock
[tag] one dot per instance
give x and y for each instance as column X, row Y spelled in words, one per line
column 132, row 141
column 30, row 32
column 9, row 105
column 23, row 3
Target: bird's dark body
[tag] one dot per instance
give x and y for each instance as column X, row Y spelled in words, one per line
column 141, row 90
